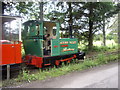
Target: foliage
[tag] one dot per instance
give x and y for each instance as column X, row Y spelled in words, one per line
column 112, row 36
column 114, row 29
column 27, row 10
column 98, row 37
column 98, row 47
column 86, row 18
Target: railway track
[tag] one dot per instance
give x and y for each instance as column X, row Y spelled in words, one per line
column 14, row 71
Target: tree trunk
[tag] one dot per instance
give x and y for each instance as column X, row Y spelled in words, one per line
column 119, row 29
column 118, row 33
column 104, row 35
column 70, row 20
column 2, row 7
column 90, row 38
column 41, row 11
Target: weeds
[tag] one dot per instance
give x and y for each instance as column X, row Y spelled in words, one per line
column 26, row 76
column 55, row 72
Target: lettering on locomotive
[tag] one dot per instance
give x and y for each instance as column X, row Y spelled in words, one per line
column 69, row 49
column 66, row 42
column 72, row 42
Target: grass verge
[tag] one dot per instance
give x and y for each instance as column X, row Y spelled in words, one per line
column 25, row 76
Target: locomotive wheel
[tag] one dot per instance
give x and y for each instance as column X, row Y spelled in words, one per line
column 65, row 62
column 43, row 67
column 71, row 61
column 60, row 64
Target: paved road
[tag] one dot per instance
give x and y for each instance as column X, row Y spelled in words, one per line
column 105, row 76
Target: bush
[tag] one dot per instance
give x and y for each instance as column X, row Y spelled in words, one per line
column 101, row 48
column 101, row 59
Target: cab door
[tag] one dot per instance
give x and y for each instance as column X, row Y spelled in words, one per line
column 8, row 54
column 55, row 47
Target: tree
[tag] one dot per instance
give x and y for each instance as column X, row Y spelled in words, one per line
column 118, row 24
column 114, row 29
column 70, row 19
column 66, row 16
column 87, row 17
column 41, row 11
column 27, row 10
column 106, row 13
column 98, row 13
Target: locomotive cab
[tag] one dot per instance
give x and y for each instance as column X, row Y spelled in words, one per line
column 50, row 32
column 43, row 45
column 39, row 35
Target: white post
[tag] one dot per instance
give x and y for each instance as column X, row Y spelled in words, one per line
column 10, row 31
column 8, row 72
column 20, row 29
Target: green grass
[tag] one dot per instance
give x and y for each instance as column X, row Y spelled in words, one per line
column 55, row 72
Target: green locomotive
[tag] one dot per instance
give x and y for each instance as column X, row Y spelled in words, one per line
column 43, row 45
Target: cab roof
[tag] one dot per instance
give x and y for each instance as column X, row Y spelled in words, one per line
column 31, row 22
column 6, row 18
